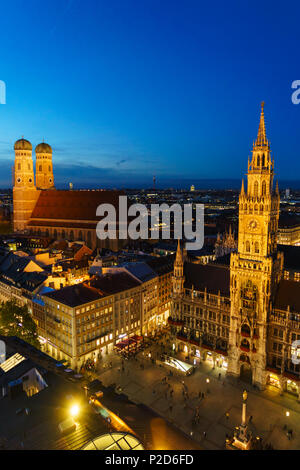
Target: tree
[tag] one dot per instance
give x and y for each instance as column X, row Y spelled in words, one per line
column 17, row 321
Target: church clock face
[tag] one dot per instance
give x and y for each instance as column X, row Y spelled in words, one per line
column 252, row 224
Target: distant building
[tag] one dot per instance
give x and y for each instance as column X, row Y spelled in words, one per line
column 289, row 231
column 192, row 188
column 226, row 244
column 40, row 209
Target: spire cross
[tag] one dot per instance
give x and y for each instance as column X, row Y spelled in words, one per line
column 261, row 139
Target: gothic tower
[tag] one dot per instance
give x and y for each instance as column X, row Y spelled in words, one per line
column 44, row 168
column 24, row 190
column 256, row 267
column 178, row 277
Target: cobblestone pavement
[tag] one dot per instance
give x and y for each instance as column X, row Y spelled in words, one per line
column 220, row 409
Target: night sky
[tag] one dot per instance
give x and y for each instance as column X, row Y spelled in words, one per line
column 123, row 90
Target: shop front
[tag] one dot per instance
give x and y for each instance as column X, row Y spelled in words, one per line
column 273, row 380
column 292, row 387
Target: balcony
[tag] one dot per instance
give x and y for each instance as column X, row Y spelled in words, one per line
column 195, row 341
column 182, row 338
column 174, row 322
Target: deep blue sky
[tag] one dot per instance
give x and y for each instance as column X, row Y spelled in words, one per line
column 124, row 89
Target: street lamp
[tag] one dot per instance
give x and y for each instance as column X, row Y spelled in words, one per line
column 287, row 414
column 207, row 380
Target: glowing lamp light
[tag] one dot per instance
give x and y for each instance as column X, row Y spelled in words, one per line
column 74, row 410
column 207, row 381
column 287, row 413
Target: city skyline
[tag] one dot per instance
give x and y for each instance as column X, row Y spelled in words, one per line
column 122, row 94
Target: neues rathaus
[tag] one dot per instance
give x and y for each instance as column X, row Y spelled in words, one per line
column 244, row 316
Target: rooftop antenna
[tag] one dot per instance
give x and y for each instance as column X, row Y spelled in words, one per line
column 154, row 180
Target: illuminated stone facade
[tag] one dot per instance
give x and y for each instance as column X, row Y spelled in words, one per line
column 244, row 317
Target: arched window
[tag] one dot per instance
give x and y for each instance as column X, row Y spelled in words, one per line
column 263, row 160
column 63, row 234
column 264, row 187
column 245, row 329
column 248, row 247
column 256, row 247
column 255, row 189
column 40, row 168
column 245, row 344
column 258, row 160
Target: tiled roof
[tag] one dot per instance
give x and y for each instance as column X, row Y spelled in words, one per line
column 12, row 273
column 72, row 205
column 75, row 295
column 161, row 264
column 288, row 293
column 212, row 277
column 140, row 270
column 291, row 257
column 93, row 290
column 110, row 284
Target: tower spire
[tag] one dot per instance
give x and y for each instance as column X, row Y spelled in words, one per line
column 178, row 254
column 243, row 188
column 261, row 140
